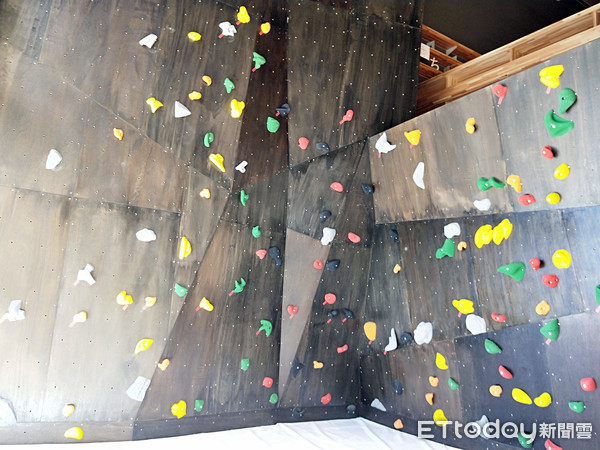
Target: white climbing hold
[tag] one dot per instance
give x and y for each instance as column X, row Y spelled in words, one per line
column 149, row 40
column 423, row 333
column 328, row 235
column 181, row 110
column 451, row 230
column 418, row 175
column 7, row 415
column 145, row 235
column 392, row 342
column 227, row 29
column 241, row 167
column 14, row 312
column 137, row 390
column 85, row 274
column 475, row 324
column 53, row 160
column 378, row 405
column 382, row 145
column 482, row 423
column 483, row 205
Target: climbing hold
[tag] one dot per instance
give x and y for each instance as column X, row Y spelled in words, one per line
column 439, row 417
column 491, row 347
column 550, row 280
column 317, row 365
column 229, row 85
column 483, row 205
column 243, row 197
column 526, row 199
column 451, row 230
column 205, row 193
column 328, row 235
column 376, row 403
column 292, row 310
column 392, row 342
column 332, row 265
column 397, row 387
column 256, row 232
column 354, row 238
column 475, row 324
column 272, row 124
column 487, row 183
column 547, row 152
column 206, row 79
column 549, row 76
column 397, row 268
column 348, row 314
column 227, row 29
column 74, row 433
column 332, row 315
column 515, row 182
column 273, row 399
column 543, row 401
column 185, row 248
column 434, row 381
column 154, row 104
column 549, row 445
column 237, row 107
column 80, row 317
column 566, row 98
column 440, row 361
column 329, row 299
column 500, row 92
column 418, row 175
column 283, row 110
column 370, row 329
column 394, row 235
column 265, row 326
column 53, row 160
column 180, row 290
column 502, row 231
column 194, row 95
column 205, row 304
column 462, row 245
column 561, row 259
column 337, row 187
column 258, row 61
column 551, row 331
column 68, row 410
column 446, row 250
column 343, row 348
column 275, row 255
column 553, row 198
column 124, row 299
column 577, row 407
column 318, row 264
column 463, row 306
column 198, row 405
column 470, row 125
column 483, row 236
column 535, row 263
column 85, row 274
column 242, row 15
column 429, row 398
column 303, row 143
column 238, row 286
column 398, row 425
column 598, row 298
column 500, row 318
column 453, row 384
column 347, row 117
column 208, row 139
column 423, row 333
column 118, row 133
column 588, row 384
column 217, row 160
column 143, row 345
column 556, row 125
column 164, row 364
column 326, row 399
column 562, row 172
column 521, row 396
column 267, row 382
column 179, row 409
column 144, row 235
column 323, row 146
column 245, row 364
column 382, row 145
column 148, row 41
column 180, row 110
column 194, row 36
column 413, row 137
column 406, row 338
column 505, row 373
column 496, row 390
column 514, row 270
column 526, row 440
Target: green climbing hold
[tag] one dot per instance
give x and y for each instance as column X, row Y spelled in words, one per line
column 245, row 364
column 273, row 399
column 229, row 86
column 446, row 250
column 243, row 197
column 598, row 297
column 515, row 270
column 256, row 231
column 258, row 61
column 567, row 98
column 265, row 326
column 551, row 330
column 491, row 347
column 180, row 290
column 577, row 407
column 556, row 125
column 487, row 183
column 239, row 286
column 272, row 124
column 526, row 440
column 198, row 405
column 208, row 139
column 453, row 384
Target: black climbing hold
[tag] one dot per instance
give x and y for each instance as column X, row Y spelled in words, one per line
column 397, row 387
column 333, row 314
column 297, row 412
column 283, row 110
column 348, row 314
column 324, row 215
column 323, row 146
column 297, row 366
column 333, row 264
column 394, row 235
column 351, row 409
column 368, row 188
column 275, row 253
column 406, row 338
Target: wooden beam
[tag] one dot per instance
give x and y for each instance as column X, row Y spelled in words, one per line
column 462, row 51
column 427, row 71
column 443, row 59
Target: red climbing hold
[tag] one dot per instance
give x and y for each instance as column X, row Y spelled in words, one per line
column 549, row 445
column 535, row 263
column 500, row 91
column 261, row 253
column 337, row 187
column 526, row 199
column 267, row 382
column 588, row 384
column 547, row 152
column 347, row 117
column 505, row 373
column 498, row 317
column 550, row 280
column 330, row 298
column 326, row 399
column 318, row 264
column 303, row 143
column 292, row 310
column 353, row 238
column 343, row 348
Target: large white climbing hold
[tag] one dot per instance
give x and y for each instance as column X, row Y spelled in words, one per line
column 423, row 333
column 392, row 342
column 7, row 415
column 53, row 160
column 476, row 324
column 483, row 205
column 85, row 274
column 138, row 389
column 181, row 110
column 418, row 175
column 328, row 235
column 378, row 405
column 145, row 235
column 382, row 145
column 14, row 312
column 149, row 40
column 451, row 230
column 227, row 29
column 241, row 167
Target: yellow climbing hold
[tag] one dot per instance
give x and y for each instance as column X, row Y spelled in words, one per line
column 521, row 396
column 68, row 410
column 463, row 305
column 549, row 76
column 237, row 107
column 317, row 365
column 154, row 104
column 542, row 308
column 561, row 259
column 434, row 381
column 543, row 400
column 502, row 231
column 562, row 172
column 205, row 304
column 439, row 418
column 205, row 193
column 118, row 133
column 195, row 95
column 515, row 182
column 470, row 125
column 553, row 198
column 185, row 248
column 413, row 137
column 74, row 433
column 483, row 236
column 397, row 268
column 149, row 302
column 370, row 331
column 164, row 364
column 217, row 160
column 143, row 345
column 124, row 299
column 440, row 361
column 194, row 36
column 178, row 409
column 242, row 15
column 207, row 80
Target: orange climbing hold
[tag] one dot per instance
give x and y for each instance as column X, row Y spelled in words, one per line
column 370, row 331
column 429, row 398
column 542, row 308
